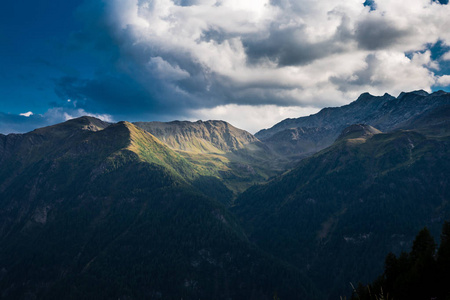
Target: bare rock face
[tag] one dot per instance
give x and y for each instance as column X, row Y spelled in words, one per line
column 203, row 137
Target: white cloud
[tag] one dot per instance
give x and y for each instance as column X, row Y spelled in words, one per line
column 62, row 114
column 446, row 56
column 72, row 114
column 165, row 70
column 251, row 118
column 444, row 80
column 27, row 114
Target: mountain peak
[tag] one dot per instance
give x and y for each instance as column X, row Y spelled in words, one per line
column 365, row 96
column 417, row 93
column 420, row 93
column 369, row 98
column 86, row 123
column 439, row 93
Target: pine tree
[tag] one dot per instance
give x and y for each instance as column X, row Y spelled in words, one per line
column 443, row 262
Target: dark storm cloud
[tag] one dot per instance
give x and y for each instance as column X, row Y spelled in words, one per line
column 360, row 78
column 137, row 77
column 290, row 46
column 214, row 34
column 375, row 32
column 131, row 77
column 135, row 74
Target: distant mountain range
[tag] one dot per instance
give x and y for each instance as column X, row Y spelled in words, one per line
column 301, row 137
column 204, row 210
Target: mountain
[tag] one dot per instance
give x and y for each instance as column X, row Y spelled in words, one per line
column 220, row 149
column 96, row 210
column 203, row 137
column 339, row 212
column 297, row 138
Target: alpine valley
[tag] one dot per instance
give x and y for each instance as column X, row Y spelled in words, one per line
column 204, row 210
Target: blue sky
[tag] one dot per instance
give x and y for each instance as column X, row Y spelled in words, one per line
column 252, row 63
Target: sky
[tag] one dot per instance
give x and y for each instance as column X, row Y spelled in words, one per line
column 252, row 63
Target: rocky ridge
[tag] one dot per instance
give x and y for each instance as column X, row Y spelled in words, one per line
column 320, row 130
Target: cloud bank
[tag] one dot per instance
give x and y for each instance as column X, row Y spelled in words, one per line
column 162, row 59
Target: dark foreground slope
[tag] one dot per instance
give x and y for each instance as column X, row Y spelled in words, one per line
column 339, row 212
column 96, row 211
column 304, row 136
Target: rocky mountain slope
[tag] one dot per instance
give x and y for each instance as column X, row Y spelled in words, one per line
column 339, row 212
column 226, row 152
column 301, row 137
column 203, row 137
column 94, row 210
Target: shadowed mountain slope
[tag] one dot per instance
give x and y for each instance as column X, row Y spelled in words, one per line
column 340, row 211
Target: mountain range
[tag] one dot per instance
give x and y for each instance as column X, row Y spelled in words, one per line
column 96, row 210
column 204, row 210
